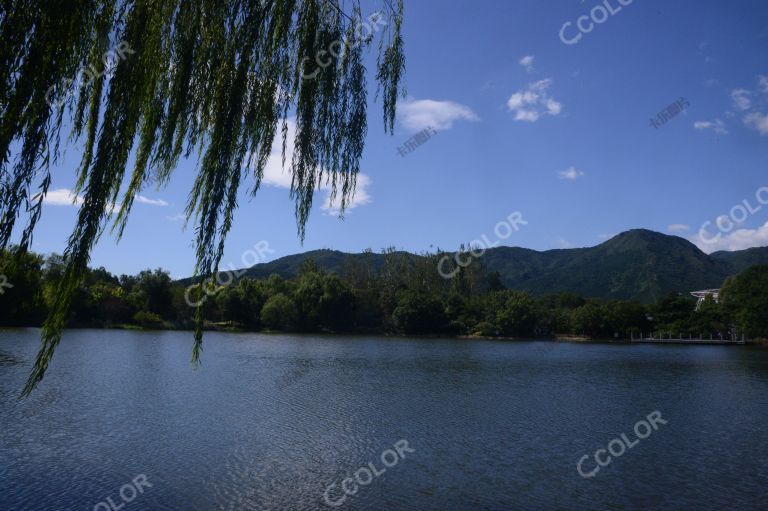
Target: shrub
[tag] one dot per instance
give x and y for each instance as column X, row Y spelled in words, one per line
column 146, row 319
column 279, row 312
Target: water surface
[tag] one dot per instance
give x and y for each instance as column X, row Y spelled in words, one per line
column 270, row 421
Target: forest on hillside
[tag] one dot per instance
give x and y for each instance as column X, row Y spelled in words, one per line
column 402, row 296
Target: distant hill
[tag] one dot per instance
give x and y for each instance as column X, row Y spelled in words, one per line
column 329, row 260
column 288, row 266
column 637, row 264
column 743, row 259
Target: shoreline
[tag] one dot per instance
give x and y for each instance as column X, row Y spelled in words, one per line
column 559, row 338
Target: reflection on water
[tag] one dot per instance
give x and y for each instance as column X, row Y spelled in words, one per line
column 269, row 422
column 7, row 360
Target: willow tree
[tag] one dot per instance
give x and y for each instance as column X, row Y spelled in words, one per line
column 143, row 83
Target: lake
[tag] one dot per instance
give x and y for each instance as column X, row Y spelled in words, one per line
column 287, row 422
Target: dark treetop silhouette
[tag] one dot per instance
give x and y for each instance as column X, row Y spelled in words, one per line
column 206, row 75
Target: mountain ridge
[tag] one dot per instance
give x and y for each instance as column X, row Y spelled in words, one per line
column 637, row 264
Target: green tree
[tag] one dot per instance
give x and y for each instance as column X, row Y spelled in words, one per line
column 589, row 319
column 242, row 302
column 306, row 295
column 149, row 320
column 626, row 318
column 183, row 312
column 391, row 280
column 674, row 314
column 106, row 304
column 279, row 312
column 554, row 321
column 456, row 311
column 277, row 284
column 555, row 312
column 517, row 317
column 337, row 305
column 745, row 300
column 21, row 290
column 418, row 313
column 567, row 301
column 710, row 318
column 493, row 282
column 152, row 292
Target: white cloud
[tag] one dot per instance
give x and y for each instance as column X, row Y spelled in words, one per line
column 274, row 172
column 527, row 62
column 361, row 197
column 757, row 121
column 419, row 114
column 750, row 105
column 66, row 197
column 570, row 174
column 62, row 197
column 280, row 177
column 763, row 83
column 177, row 217
column 740, row 239
column 553, row 107
column 534, row 101
column 741, row 99
column 527, row 115
column 564, row 243
column 717, row 126
column 151, row 202
column 678, row 228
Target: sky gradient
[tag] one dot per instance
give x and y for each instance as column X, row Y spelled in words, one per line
column 525, row 123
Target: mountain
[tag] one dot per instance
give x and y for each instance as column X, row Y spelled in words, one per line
column 288, row 266
column 328, row 260
column 637, row 264
column 743, row 259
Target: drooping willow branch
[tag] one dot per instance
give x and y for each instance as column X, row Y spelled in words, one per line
column 160, row 80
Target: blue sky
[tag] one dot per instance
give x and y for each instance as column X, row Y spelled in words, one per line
column 559, row 132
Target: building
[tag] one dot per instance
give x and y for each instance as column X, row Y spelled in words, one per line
column 703, row 294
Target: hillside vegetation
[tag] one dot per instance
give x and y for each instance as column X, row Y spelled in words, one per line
column 399, row 293
column 635, row 265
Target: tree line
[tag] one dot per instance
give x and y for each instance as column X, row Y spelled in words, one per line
column 402, row 295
